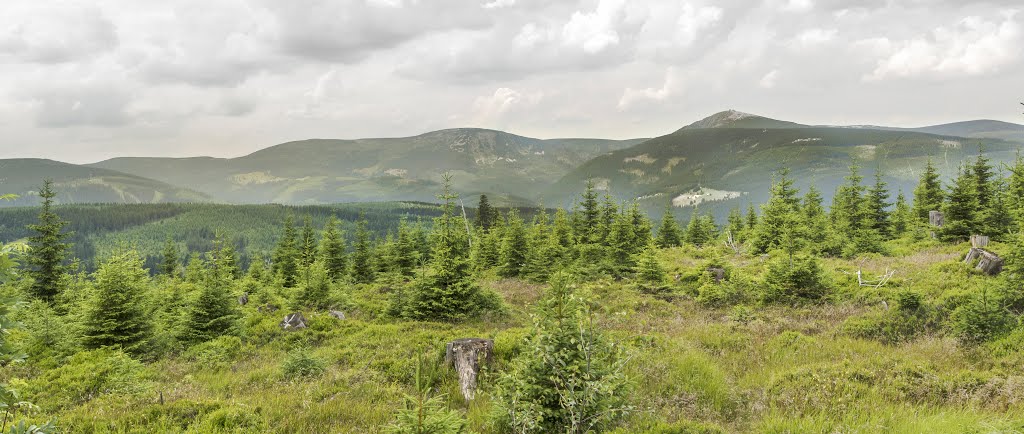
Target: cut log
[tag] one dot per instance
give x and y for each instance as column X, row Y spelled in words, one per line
column 935, row 218
column 244, row 299
column 717, row 273
column 987, row 262
column 979, row 241
column 337, row 314
column 294, row 321
column 465, row 355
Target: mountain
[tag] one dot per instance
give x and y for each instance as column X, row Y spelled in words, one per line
column 79, row 184
column 985, row 128
column 729, row 159
column 509, row 166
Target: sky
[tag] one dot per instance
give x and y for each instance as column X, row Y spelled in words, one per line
column 86, row 80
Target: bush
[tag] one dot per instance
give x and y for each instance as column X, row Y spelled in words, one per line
column 300, row 363
column 792, row 279
column 216, row 354
column 86, row 376
column 981, row 319
column 233, row 420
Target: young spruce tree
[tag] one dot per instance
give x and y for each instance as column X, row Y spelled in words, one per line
column 47, row 248
column 116, row 314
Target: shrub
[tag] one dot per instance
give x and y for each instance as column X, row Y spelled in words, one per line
column 797, row 278
column 88, row 375
column 300, row 363
column 216, row 354
column 233, row 420
column 981, row 319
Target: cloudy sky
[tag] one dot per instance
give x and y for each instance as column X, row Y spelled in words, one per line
column 84, row 80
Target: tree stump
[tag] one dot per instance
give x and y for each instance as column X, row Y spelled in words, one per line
column 244, row 299
column 465, row 356
column 979, row 241
column 717, row 273
column 935, row 218
column 987, row 262
column 294, row 321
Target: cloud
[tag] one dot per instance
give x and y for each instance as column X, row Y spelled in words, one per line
column 769, row 80
column 491, row 109
column 596, row 30
column 974, row 46
column 54, row 33
column 498, row 4
column 633, row 97
column 87, row 104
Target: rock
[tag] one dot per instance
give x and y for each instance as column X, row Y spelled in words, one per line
column 935, row 218
column 465, row 356
column 717, row 273
column 337, row 314
column 979, row 241
column 294, row 321
column 244, row 299
column 987, row 262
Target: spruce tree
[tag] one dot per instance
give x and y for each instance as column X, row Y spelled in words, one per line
column 332, row 250
column 362, row 255
column 609, row 212
column 815, row 220
column 928, row 194
column 1014, row 194
column 169, row 264
column 195, row 269
column 878, row 206
column 224, row 259
column 621, row 247
column 514, row 246
column 780, row 218
column 286, row 255
column 851, row 216
column 116, row 316
column 668, row 232
column 650, row 275
column 586, row 227
column 986, row 188
column 752, row 219
column 314, row 287
column 902, row 216
column 701, row 229
column 539, row 261
column 960, row 211
column 641, row 227
column 406, row 256
column 213, row 313
column 47, row 248
column 307, row 243
column 448, row 291
column 485, row 214
column 735, row 224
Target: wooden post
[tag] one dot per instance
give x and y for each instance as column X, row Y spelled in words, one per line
column 465, row 356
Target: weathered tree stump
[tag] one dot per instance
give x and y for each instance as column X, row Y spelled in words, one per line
column 987, row 262
column 717, row 273
column 935, row 218
column 465, row 356
column 244, row 299
column 294, row 321
column 979, row 241
column 337, row 314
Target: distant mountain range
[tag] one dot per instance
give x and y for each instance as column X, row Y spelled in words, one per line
column 724, row 159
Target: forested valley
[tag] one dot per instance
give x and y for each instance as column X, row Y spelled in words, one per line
column 882, row 311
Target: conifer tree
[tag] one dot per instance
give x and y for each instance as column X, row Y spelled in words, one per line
column 486, row 249
column 224, row 259
column 735, row 224
column 1000, row 219
column 561, row 229
column 115, row 316
column 332, row 250
column 621, row 246
column 780, row 218
column 485, row 214
column 878, row 206
column 701, row 229
column 815, row 220
column 960, row 211
column 851, row 217
column 314, row 287
column 650, row 275
column 307, row 243
column 169, row 264
column 287, row 254
column 447, row 291
column 512, row 255
column 902, row 216
column 195, row 269
column 609, row 212
column 928, row 194
column 362, row 255
column 405, row 253
column 213, row 313
column 752, row 219
column 641, row 227
column 47, row 248
column 539, row 261
column 985, row 187
column 668, row 232
column 1014, row 195
column 590, row 213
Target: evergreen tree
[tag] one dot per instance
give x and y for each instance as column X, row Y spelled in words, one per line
column 486, row 249
column 539, row 261
column 641, row 227
column 735, row 224
column 780, row 218
column 169, row 264
column 621, row 247
column 332, row 250
column 960, row 211
column 213, row 313
column 448, row 290
column 928, row 194
column 512, row 255
column 485, row 214
column 195, row 270
column 362, row 255
column 902, row 216
column 701, row 229
column 115, row 315
column 314, row 287
column 650, row 275
column 287, row 254
column 986, row 184
column 878, row 206
column 1014, row 194
column 609, row 212
column 752, row 219
column 307, row 243
column 569, row 378
column 224, row 259
column 405, row 254
column 851, row 216
column 586, row 227
column 561, row 230
column 47, row 248
column 668, row 232
column 815, row 221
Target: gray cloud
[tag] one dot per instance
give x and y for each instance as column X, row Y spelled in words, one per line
column 186, row 77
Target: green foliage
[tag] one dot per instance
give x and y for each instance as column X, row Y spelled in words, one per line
column 86, row 376
column 878, row 206
column 779, row 225
column 928, row 196
column 287, row 255
column 794, row 279
column 170, row 263
column 486, row 215
column 115, row 315
column 332, row 250
column 701, row 229
column 314, row 287
column 960, row 211
column 425, row 413
column 300, row 363
column 48, row 248
column 514, row 246
column 981, row 319
column 213, row 313
column 362, row 256
column 650, row 275
column 569, row 378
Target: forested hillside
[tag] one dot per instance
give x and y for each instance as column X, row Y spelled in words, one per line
column 798, row 315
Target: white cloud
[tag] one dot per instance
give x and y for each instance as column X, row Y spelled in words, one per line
column 498, row 4
column 815, row 37
column 632, row 97
column 769, row 80
column 597, row 30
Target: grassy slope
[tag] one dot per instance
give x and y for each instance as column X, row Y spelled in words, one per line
column 85, row 184
column 783, row 369
column 327, row 171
